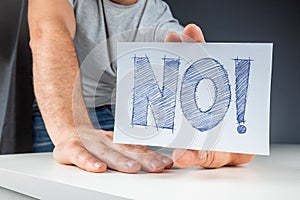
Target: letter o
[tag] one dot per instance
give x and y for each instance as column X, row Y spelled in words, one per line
column 206, row 68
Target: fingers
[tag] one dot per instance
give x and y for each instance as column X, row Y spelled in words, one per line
column 116, row 160
column 99, row 144
column 205, row 159
column 150, row 160
column 94, row 152
column 94, row 160
column 213, row 159
column 192, row 33
column 74, row 153
column 172, row 37
column 185, row 158
column 239, row 159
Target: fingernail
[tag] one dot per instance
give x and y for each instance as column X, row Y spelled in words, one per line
column 131, row 163
column 97, row 165
column 156, row 164
column 166, row 161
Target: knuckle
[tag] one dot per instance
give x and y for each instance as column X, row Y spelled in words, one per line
column 103, row 152
column 107, row 153
column 73, row 144
column 207, row 160
column 80, row 157
column 134, row 148
column 214, row 160
column 144, row 158
column 120, row 159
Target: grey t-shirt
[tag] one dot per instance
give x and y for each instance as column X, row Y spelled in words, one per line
column 103, row 23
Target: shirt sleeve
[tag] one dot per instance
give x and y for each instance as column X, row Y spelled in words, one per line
column 165, row 21
column 72, row 2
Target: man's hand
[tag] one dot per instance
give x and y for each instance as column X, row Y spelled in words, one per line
column 206, row 159
column 58, row 92
column 94, row 151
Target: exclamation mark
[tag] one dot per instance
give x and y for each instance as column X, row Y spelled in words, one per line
column 242, row 72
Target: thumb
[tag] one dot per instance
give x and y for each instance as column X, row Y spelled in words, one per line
column 192, row 33
column 206, row 159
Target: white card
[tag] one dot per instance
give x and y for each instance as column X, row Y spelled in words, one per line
column 212, row 96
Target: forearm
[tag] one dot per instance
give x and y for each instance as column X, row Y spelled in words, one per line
column 57, row 81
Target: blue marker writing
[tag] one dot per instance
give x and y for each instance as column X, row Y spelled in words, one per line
column 242, row 72
column 147, row 93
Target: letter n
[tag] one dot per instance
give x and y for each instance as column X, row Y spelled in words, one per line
column 147, row 93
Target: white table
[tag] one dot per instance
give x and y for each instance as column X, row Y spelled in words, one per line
column 39, row 176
